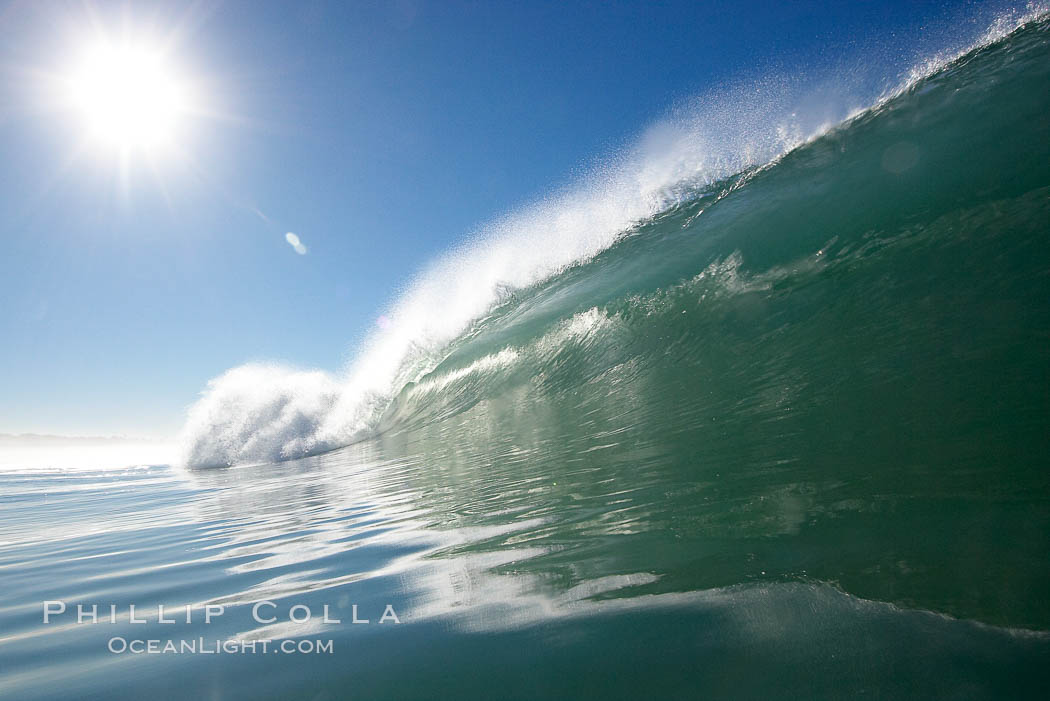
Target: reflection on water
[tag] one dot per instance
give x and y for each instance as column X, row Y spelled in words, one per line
column 740, row 505
column 795, row 447
column 545, row 544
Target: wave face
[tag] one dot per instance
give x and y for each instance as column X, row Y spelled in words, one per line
column 770, row 425
column 760, row 273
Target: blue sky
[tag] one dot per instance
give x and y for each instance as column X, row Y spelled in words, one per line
column 380, row 133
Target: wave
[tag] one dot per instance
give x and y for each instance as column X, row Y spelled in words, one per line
column 459, row 319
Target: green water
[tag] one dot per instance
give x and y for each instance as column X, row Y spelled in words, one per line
column 788, row 440
column 839, row 371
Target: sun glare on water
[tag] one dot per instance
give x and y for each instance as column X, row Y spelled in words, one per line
column 128, row 98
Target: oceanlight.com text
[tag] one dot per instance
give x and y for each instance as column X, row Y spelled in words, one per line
column 200, row 646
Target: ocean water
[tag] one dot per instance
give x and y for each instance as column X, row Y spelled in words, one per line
column 784, row 435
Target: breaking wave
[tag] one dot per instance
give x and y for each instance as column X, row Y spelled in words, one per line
column 468, row 315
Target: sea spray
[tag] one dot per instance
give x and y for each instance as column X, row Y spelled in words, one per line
column 698, row 155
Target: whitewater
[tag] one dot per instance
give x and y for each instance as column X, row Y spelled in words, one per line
column 702, row 151
column 755, row 409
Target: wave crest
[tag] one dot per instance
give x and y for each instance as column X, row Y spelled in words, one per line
column 268, row 412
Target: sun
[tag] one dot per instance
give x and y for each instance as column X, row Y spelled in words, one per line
column 127, row 97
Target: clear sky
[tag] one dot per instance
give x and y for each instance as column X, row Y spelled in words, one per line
column 379, row 133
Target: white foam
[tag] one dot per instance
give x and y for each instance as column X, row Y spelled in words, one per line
column 264, row 413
